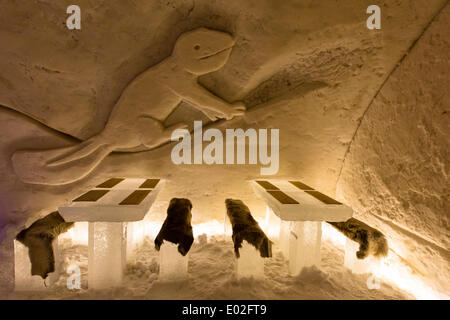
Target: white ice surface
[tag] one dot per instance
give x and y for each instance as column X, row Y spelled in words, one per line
column 250, row 263
column 308, row 208
column 172, row 265
column 304, row 245
column 107, row 208
column 107, row 251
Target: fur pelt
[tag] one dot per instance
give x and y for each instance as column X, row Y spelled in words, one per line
column 371, row 241
column 246, row 228
column 177, row 226
column 39, row 238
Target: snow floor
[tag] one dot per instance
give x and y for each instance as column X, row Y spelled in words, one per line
column 211, row 276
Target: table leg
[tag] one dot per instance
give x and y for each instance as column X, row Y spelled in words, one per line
column 132, row 244
column 107, row 254
column 304, row 245
column 172, row 265
column 283, row 241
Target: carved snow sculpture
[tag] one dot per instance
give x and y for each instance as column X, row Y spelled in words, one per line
column 251, row 244
column 177, row 231
column 136, row 121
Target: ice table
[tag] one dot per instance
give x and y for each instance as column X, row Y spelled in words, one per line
column 108, row 208
column 298, row 211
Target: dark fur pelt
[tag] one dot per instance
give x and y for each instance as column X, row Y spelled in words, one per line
column 371, row 241
column 38, row 238
column 177, row 226
column 246, row 228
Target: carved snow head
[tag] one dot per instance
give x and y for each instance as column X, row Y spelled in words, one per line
column 203, row 50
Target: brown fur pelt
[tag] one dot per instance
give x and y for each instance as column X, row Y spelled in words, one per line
column 371, row 241
column 246, row 228
column 177, row 226
column 38, row 239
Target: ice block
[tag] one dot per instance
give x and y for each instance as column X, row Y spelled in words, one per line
column 283, row 239
column 132, row 244
column 172, row 265
column 107, row 254
column 272, row 224
column 250, row 263
column 304, row 245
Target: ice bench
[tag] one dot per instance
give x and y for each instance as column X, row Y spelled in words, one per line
column 299, row 210
column 109, row 208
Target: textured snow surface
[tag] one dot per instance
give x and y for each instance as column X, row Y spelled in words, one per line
column 397, row 173
column 211, row 276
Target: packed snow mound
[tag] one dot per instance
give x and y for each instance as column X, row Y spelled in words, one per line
column 211, row 276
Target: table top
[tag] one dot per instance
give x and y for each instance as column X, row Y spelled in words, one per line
column 114, row 200
column 295, row 201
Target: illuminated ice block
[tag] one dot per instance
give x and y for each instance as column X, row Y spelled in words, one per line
column 23, row 279
column 250, row 263
column 304, row 245
column 227, row 229
column 107, row 254
column 272, row 224
column 278, row 230
column 132, row 244
column 283, row 239
column 359, row 266
column 172, row 265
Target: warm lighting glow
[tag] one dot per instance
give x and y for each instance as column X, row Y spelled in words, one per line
column 78, row 234
column 391, row 270
column 211, row 228
column 271, row 224
column 139, row 230
column 331, row 234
